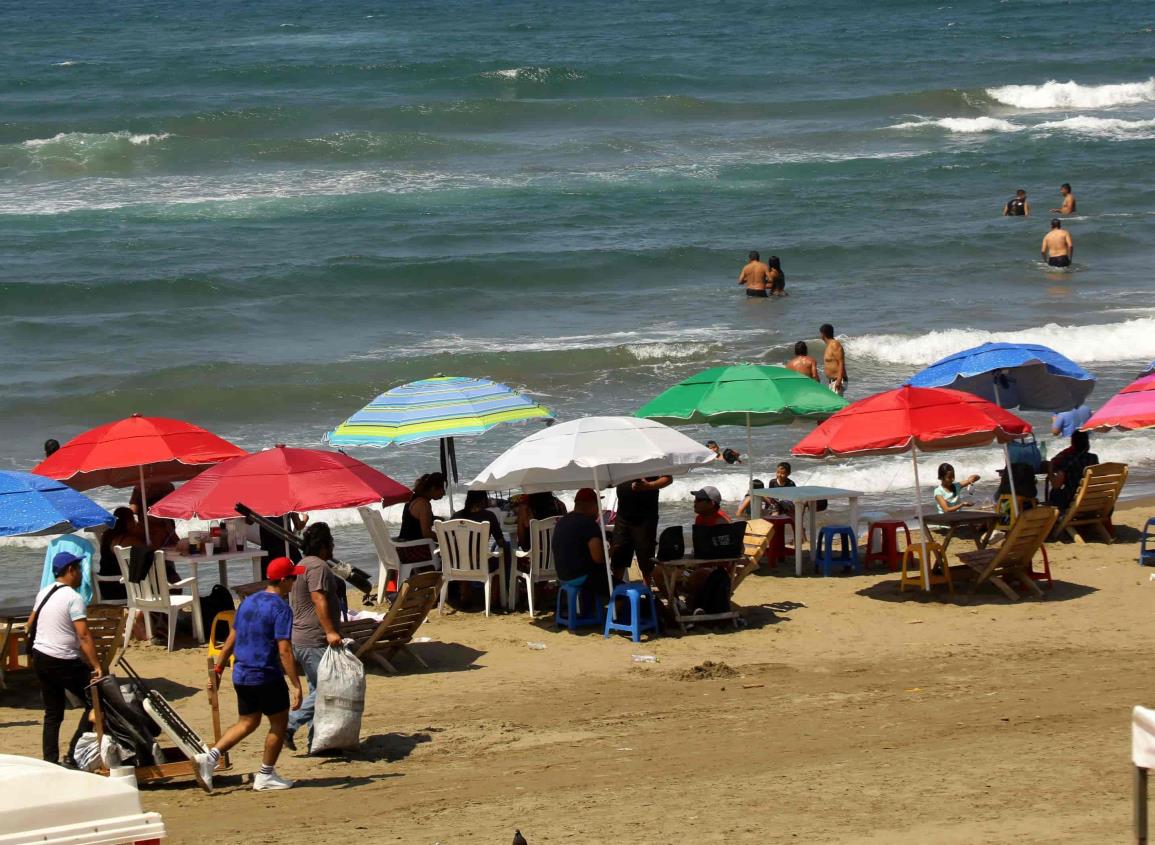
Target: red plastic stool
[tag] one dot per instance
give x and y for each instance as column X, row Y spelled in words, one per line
column 778, row 550
column 888, row 552
column 1045, row 575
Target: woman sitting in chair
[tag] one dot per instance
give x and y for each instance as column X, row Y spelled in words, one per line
column 1067, row 470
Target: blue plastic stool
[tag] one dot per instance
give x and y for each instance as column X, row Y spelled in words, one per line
column 573, row 618
column 824, row 556
column 635, row 591
column 1146, row 552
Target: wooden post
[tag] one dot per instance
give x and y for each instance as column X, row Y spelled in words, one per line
column 1140, row 805
column 214, row 705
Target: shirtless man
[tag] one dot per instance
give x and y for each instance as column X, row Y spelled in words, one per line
column 1017, row 206
column 1068, row 206
column 803, row 363
column 833, row 360
column 1058, row 248
column 755, row 276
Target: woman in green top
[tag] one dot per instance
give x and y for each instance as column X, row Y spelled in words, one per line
column 948, row 494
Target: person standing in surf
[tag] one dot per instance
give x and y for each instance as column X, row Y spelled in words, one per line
column 1017, row 206
column 833, row 360
column 1068, row 206
column 755, row 276
column 1058, row 248
column 776, row 277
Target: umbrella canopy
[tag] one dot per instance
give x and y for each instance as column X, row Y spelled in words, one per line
column 909, row 419
column 1012, row 375
column 279, row 481
column 33, row 504
column 136, row 450
column 445, row 406
column 1130, row 409
column 930, row 419
column 745, row 394
column 617, row 449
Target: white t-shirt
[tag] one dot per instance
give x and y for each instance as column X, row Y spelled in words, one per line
column 55, row 633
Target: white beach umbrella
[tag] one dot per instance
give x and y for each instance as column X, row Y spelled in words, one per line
column 593, row 452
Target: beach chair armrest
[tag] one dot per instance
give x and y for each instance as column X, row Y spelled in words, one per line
column 182, row 583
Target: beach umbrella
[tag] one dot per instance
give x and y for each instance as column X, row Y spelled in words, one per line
column 744, row 394
column 440, row 408
column 33, row 504
column 910, row 419
column 278, row 481
column 1130, row 409
column 1012, row 375
column 593, row 452
column 136, row 450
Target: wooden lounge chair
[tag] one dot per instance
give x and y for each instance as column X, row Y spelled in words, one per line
column 1012, row 558
column 756, row 541
column 378, row 641
column 1098, row 492
column 106, row 625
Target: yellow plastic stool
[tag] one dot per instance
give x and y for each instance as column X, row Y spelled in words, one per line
column 912, row 568
column 228, row 619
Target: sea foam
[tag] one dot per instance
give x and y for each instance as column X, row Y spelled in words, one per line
column 1072, row 95
column 1127, row 341
column 963, row 125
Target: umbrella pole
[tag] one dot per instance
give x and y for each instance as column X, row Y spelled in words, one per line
column 144, row 506
column 605, row 542
column 1007, row 458
column 447, row 471
column 921, row 521
column 750, row 464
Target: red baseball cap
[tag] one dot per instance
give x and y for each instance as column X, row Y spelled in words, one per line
column 282, row 567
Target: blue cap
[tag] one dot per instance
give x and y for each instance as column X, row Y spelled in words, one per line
column 63, row 560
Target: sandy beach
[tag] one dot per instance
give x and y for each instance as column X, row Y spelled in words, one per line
column 845, row 712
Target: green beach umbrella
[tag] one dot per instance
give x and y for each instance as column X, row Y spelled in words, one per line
column 743, row 394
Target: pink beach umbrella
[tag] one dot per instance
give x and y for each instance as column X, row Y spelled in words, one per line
column 1130, row 409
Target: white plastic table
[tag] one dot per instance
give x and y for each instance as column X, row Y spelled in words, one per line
column 222, row 559
column 801, row 496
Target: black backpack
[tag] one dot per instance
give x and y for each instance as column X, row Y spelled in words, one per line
column 714, row 596
column 217, row 601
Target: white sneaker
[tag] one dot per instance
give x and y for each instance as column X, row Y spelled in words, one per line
column 203, row 767
column 273, row 781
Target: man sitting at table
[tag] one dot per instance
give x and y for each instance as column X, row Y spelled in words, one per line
column 578, row 552
column 708, row 507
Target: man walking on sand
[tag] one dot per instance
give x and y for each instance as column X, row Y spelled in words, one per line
column 1068, row 206
column 1058, row 248
column 755, row 276
column 260, row 641
column 802, row 362
column 833, row 360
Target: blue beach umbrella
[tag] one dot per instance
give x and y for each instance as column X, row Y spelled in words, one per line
column 1012, row 375
column 1028, row 376
column 33, row 504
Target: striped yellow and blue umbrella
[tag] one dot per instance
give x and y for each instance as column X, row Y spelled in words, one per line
column 433, row 408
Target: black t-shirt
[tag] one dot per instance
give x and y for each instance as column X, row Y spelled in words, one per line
column 571, row 546
column 637, row 508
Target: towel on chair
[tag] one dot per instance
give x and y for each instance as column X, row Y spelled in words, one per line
column 1143, row 737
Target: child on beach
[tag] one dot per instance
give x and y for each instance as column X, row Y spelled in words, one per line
column 948, row 494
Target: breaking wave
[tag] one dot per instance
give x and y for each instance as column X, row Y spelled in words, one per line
column 1072, row 95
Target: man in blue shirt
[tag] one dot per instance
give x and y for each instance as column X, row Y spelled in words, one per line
column 1068, row 422
column 261, row 640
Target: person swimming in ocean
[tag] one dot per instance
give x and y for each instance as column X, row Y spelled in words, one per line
column 1017, row 206
column 1068, row 206
column 1058, row 248
column 755, row 276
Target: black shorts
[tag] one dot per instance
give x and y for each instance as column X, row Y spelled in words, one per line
column 1059, row 261
column 267, row 699
column 762, row 293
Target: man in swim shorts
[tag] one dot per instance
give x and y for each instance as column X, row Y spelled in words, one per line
column 833, row 360
column 1058, row 248
column 1068, row 206
column 755, row 276
column 1017, row 206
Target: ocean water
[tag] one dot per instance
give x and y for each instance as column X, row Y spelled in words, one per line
column 258, row 216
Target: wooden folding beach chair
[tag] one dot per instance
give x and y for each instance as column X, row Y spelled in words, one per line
column 1012, row 558
column 106, row 626
column 1098, row 492
column 378, row 641
column 755, row 543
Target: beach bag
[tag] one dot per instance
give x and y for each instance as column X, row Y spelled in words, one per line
column 217, row 601
column 340, row 702
column 672, row 543
column 714, row 596
column 1025, row 450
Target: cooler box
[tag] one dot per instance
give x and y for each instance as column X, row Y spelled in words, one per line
column 45, row 804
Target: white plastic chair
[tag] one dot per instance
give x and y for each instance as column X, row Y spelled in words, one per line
column 539, row 558
column 99, row 596
column 152, row 595
column 388, row 560
column 465, row 556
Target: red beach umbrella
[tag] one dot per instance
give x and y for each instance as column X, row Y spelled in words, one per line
column 1130, row 409
column 909, row 419
column 279, row 481
column 136, row 450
